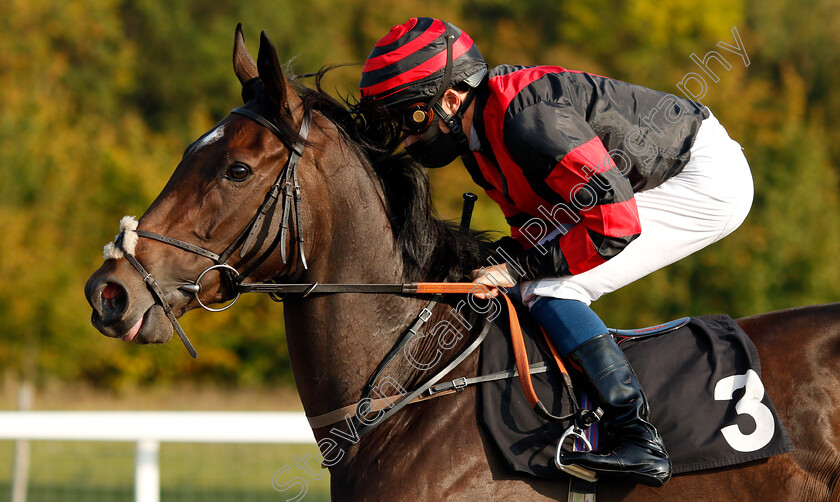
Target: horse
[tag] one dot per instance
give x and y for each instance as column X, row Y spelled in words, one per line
column 363, row 217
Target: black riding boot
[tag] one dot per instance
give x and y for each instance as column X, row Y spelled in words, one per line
column 639, row 454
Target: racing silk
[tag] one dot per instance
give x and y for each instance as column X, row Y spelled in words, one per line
column 563, row 152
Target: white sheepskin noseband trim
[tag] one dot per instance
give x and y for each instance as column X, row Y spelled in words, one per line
column 128, row 225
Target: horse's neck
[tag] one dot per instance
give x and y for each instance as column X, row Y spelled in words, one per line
column 336, row 341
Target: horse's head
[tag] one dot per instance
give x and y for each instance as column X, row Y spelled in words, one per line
column 206, row 214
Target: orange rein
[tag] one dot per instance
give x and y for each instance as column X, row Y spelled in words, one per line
column 517, row 341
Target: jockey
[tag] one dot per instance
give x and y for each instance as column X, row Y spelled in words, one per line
column 602, row 182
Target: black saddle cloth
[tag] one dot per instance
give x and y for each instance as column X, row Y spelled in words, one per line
column 693, row 377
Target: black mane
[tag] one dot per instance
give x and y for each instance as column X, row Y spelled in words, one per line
column 432, row 249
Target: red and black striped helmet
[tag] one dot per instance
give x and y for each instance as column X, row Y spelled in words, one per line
column 408, row 64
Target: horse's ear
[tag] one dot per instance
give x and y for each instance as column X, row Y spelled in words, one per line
column 243, row 64
column 271, row 74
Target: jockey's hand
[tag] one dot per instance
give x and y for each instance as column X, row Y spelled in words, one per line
column 493, row 277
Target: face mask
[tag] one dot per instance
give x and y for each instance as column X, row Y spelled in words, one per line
column 434, row 148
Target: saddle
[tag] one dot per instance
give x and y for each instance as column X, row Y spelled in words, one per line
column 701, row 376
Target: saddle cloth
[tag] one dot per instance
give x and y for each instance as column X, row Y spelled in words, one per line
column 702, row 382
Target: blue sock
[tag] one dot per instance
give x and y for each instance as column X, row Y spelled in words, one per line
column 568, row 323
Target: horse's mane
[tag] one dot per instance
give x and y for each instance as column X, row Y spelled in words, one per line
column 432, row 249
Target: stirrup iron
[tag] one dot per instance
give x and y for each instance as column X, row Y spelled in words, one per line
column 574, row 470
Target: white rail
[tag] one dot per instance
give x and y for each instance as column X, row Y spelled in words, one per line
column 149, row 428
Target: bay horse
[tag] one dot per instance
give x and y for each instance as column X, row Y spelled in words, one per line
column 366, row 218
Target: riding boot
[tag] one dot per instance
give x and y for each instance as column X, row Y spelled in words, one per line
column 638, row 454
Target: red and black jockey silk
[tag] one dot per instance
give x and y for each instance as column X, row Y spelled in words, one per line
column 407, row 65
column 569, row 149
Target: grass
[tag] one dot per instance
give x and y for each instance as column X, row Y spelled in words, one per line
column 104, row 471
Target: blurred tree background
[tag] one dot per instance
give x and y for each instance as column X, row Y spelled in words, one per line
column 100, row 97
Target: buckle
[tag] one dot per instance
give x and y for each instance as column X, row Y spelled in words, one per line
column 588, row 417
column 459, row 384
column 425, row 312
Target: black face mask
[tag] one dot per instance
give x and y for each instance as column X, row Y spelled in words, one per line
column 434, row 148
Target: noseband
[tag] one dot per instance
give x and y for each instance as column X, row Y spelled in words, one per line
column 287, row 183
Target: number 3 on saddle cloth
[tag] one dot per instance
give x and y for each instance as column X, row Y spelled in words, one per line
column 694, row 377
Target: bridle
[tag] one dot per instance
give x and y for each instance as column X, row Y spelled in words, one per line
column 286, row 183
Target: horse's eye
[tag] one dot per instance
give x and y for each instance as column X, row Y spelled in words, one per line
column 238, row 172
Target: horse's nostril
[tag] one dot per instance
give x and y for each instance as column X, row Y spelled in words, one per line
column 112, row 291
column 114, row 299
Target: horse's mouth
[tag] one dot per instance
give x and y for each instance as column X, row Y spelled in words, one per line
column 134, row 329
column 152, row 326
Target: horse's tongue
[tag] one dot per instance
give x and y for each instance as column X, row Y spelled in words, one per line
column 134, row 330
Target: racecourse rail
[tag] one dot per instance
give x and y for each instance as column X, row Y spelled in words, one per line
column 149, row 428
